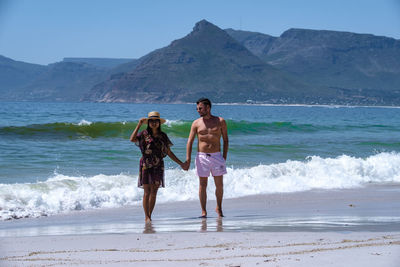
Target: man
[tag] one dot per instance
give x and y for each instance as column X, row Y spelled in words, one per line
column 209, row 130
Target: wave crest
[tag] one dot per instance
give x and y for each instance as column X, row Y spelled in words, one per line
column 64, row 194
column 177, row 128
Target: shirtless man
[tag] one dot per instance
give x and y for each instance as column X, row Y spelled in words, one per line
column 209, row 130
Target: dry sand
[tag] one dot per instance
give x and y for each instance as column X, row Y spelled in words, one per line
column 206, row 249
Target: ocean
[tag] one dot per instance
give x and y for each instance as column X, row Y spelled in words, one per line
column 59, row 158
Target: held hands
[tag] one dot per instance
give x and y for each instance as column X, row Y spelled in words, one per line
column 185, row 166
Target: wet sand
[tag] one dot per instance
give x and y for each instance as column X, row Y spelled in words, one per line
column 353, row 227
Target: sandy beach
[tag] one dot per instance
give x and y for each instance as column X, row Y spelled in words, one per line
column 352, row 227
column 207, row 249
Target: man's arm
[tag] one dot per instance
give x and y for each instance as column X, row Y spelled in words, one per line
column 189, row 145
column 224, row 132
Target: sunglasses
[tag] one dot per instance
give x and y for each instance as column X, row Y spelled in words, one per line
column 153, row 121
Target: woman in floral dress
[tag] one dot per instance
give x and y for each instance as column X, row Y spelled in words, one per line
column 154, row 145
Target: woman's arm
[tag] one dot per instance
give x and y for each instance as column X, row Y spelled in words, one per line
column 174, row 158
column 135, row 132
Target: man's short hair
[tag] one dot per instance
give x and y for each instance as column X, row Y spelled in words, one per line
column 205, row 101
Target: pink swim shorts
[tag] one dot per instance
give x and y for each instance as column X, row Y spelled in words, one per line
column 210, row 162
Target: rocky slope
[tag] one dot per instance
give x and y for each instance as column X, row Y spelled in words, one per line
column 206, row 62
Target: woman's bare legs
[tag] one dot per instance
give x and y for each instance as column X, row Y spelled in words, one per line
column 146, row 205
column 153, row 197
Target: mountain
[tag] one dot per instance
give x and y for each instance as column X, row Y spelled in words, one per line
column 206, row 62
column 68, row 80
column 16, row 74
column 365, row 66
column 62, row 81
column 300, row 66
column 107, row 63
column 255, row 42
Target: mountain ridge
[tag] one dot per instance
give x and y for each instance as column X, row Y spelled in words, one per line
column 345, row 56
column 207, row 61
column 301, row 66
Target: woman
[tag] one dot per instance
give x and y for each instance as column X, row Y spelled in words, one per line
column 154, row 145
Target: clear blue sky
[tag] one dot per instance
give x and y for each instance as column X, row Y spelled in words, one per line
column 46, row 31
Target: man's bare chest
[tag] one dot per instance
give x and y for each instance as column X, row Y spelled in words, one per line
column 209, row 130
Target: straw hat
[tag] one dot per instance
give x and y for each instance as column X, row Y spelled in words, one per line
column 154, row 115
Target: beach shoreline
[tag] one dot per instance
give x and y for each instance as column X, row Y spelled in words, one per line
column 348, row 227
column 369, row 208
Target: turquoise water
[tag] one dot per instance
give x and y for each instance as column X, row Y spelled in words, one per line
column 52, row 149
column 38, row 139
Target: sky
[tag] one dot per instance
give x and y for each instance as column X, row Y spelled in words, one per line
column 46, row 31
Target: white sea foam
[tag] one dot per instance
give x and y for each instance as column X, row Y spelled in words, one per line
column 169, row 123
column 63, row 193
column 84, row 122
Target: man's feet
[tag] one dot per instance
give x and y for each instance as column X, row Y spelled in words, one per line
column 219, row 212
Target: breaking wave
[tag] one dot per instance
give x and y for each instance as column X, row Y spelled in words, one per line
column 60, row 194
column 87, row 129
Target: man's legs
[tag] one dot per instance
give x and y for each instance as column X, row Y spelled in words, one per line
column 203, row 195
column 219, row 193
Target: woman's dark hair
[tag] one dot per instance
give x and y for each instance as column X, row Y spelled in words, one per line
column 149, row 129
column 205, row 101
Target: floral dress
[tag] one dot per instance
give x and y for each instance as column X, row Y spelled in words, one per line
column 154, row 149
